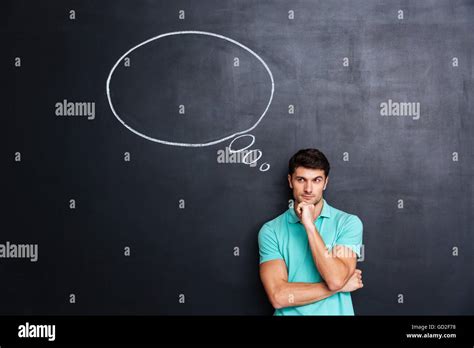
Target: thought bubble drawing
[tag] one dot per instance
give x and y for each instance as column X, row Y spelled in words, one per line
column 176, row 76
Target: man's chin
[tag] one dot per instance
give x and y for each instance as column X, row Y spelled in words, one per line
column 311, row 200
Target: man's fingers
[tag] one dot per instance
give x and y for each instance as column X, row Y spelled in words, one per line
column 358, row 274
column 299, row 207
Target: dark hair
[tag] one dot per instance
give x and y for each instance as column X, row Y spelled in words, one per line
column 309, row 158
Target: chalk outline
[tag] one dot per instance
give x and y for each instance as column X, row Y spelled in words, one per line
column 248, row 153
column 267, row 168
column 244, row 148
column 184, row 33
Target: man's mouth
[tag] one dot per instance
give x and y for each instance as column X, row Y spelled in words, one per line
column 308, row 197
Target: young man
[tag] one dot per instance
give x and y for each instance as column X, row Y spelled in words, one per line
column 308, row 253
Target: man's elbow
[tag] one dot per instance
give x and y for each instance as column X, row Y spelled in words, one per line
column 278, row 299
column 276, row 304
column 335, row 283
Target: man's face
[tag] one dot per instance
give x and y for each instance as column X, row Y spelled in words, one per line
column 307, row 184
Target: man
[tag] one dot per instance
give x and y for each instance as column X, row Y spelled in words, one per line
column 308, row 253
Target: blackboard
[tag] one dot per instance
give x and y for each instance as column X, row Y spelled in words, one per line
column 124, row 180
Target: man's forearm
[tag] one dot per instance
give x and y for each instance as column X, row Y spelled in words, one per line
column 299, row 294
column 333, row 270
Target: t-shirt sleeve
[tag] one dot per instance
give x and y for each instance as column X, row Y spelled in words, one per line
column 350, row 235
column 268, row 244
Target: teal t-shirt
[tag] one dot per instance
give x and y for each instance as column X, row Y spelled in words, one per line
column 285, row 238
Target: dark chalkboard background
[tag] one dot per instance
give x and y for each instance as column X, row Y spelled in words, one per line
column 190, row 251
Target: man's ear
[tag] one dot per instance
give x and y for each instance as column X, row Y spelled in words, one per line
column 326, row 184
column 289, row 181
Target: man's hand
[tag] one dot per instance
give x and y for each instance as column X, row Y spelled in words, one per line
column 305, row 212
column 354, row 282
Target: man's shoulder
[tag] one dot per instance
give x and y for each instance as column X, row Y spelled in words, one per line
column 276, row 223
column 343, row 217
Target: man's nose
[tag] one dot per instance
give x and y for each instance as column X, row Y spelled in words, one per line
column 308, row 188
